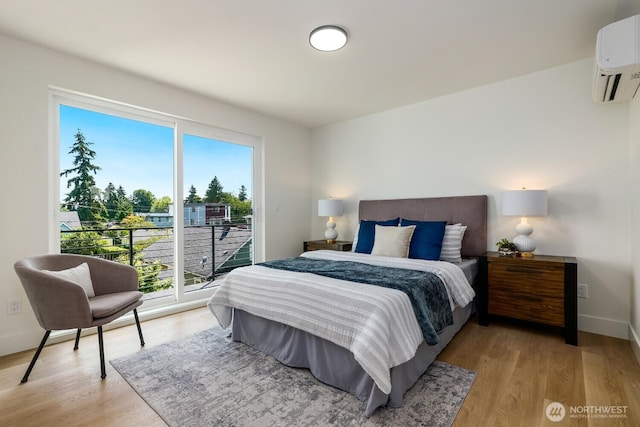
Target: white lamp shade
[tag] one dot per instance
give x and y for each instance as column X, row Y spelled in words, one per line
column 524, row 203
column 330, row 207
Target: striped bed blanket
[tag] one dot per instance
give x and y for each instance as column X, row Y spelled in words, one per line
column 425, row 290
column 375, row 323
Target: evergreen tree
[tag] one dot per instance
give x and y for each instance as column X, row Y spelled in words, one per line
column 193, row 197
column 214, row 192
column 110, row 200
column 121, row 193
column 124, row 206
column 242, row 195
column 82, row 182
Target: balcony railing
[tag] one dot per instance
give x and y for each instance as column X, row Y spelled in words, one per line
column 209, row 251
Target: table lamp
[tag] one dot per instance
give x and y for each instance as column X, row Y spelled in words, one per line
column 524, row 203
column 330, row 208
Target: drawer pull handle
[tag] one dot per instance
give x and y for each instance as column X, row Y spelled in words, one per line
column 524, row 270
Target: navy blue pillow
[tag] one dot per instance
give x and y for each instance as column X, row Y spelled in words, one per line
column 367, row 234
column 426, row 242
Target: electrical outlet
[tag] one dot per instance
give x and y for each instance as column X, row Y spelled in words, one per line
column 13, row 306
column 583, row 291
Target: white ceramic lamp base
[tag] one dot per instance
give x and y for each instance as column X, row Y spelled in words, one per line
column 526, row 245
column 331, row 234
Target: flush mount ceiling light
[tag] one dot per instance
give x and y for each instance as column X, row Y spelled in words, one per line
column 328, row 38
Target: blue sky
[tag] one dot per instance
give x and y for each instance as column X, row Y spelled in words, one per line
column 138, row 155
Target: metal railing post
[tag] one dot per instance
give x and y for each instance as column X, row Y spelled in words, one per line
column 213, row 252
column 131, row 247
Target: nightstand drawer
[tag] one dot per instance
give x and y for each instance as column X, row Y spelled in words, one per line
column 547, row 281
column 527, row 292
column 526, row 306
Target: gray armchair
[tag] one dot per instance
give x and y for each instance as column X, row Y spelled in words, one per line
column 60, row 303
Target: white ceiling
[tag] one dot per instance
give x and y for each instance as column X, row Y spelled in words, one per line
column 255, row 53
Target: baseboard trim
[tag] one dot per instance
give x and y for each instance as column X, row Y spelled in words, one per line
column 603, row 326
column 635, row 343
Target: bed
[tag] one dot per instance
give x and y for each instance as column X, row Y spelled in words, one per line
column 377, row 367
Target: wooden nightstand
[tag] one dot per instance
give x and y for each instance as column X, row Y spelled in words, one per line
column 541, row 289
column 338, row 245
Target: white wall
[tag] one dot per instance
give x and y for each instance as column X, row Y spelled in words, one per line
column 634, row 158
column 26, row 73
column 629, row 8
column 541, row 131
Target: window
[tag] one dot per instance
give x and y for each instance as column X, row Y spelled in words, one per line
column 172, row 197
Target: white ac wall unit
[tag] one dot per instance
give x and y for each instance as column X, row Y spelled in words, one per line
column 617, row 63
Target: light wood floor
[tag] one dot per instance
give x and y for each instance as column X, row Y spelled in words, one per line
column 519, row 371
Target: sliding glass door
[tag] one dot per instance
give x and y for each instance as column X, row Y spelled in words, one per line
column 173, row 198
column 217, row 213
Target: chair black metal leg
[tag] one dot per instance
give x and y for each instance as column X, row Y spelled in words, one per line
column 75, row 347
column 103, row 371
column 35, row 357
column 135, row 314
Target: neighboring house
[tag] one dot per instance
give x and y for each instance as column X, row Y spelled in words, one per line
column 162, row 219
column 194, row 214
column 206, row 213
column 69, row 221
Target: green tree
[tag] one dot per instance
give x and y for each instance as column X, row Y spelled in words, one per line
column 136, row 221
column 142, row 200
column 100, row 214
column 214, row 192
column 83, row 243
column 242, row 195
column 121, row 193
column 193, row 196
column 239, row 208
column 148, row 272
column 161, row 205
column 82, row 197
column 110, row 200
column 124, row 208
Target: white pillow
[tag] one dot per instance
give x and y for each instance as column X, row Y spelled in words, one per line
column 392, row 241
column 452, row 243
column 355, row 239
column 80, row 275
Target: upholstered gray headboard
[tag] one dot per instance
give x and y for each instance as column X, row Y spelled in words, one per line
column 468, row 210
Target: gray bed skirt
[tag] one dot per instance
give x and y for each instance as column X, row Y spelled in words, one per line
column 335, row 365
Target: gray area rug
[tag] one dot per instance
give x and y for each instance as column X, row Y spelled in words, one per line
column 208, row 380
